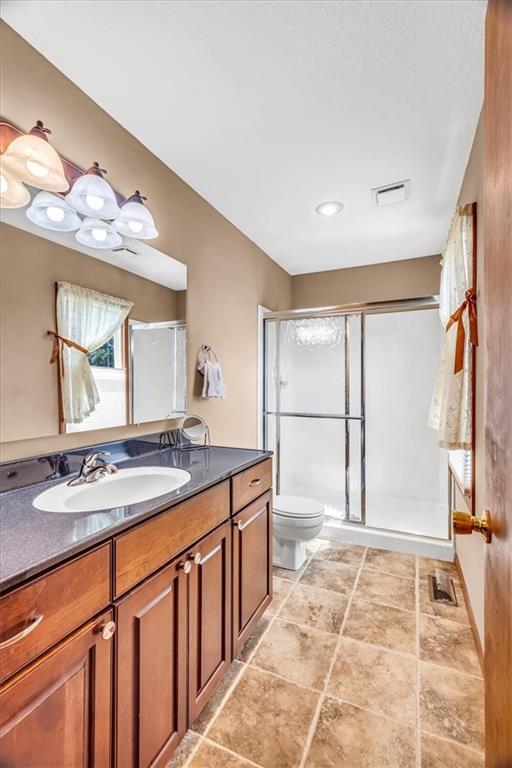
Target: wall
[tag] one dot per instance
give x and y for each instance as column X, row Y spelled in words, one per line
column 471, row 549
column 407, row 279
column 30, row 267
column 228, row 275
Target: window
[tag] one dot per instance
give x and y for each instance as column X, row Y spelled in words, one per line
column 109, row 372
column 462, row 469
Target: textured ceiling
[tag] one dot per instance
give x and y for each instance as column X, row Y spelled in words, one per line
column 268, row 108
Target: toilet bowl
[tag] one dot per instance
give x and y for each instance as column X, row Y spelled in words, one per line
column 295, row 520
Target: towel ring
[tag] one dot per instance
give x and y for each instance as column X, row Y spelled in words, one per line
column 206, row 354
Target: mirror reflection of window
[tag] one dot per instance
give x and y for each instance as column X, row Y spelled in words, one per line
column 109, row 370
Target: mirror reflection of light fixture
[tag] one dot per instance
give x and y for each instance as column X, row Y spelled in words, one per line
column 193, row 433
column 13, row 193
column 52, row 212
column 135, row 220
column 98, row 234
column 314, row 332
column 92, row 195
column 30, row 158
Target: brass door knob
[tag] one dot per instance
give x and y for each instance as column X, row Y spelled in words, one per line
column 464, row 523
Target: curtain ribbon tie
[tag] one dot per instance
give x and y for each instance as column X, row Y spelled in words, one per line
column 468, row 304
column 58, row 343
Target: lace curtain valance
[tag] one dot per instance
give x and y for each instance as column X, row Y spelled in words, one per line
column 451, row 412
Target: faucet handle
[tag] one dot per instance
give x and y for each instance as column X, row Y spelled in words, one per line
column 90, row 459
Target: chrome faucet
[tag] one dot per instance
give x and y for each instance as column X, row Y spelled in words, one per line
column 93, row 468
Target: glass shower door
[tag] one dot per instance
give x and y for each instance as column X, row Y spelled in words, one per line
column 314, row 409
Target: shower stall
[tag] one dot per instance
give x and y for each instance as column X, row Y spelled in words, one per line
column 346, row 398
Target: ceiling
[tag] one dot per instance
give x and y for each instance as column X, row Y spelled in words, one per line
column 268, row 108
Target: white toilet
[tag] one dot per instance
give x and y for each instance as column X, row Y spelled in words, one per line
column 295, row 520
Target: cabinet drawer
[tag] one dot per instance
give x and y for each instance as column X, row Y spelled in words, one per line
column 251, row 483
column 34, row 617
column 147, row 547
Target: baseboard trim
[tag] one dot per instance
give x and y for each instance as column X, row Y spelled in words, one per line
column 472, row 622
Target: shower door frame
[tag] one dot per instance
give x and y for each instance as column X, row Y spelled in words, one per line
column 343, row 310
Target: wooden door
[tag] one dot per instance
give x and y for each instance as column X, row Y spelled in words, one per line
column 209, row 617
column 57, row 712
column 498, row 330
column 151, row 659
column 252, row 567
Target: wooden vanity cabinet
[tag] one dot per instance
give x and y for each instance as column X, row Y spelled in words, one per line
column 209, row 617
column 252, row 567
column 56, row 713
column 151, row 669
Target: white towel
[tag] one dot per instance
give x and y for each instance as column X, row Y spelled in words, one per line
column 213, row 385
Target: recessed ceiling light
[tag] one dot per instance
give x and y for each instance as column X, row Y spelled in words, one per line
column 329, row 208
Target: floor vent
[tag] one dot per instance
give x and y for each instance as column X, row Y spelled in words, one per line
column 392, row 193
column 441, row 588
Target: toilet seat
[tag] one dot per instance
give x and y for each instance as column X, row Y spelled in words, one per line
column 297, row 507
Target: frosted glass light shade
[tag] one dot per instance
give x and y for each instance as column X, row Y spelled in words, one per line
column 13, row 194
column 135, row 220
column 52, row 212
column 96, row 233
column 30, row 158
column 93, row 196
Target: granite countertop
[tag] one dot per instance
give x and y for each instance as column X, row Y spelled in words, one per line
column 31, row 540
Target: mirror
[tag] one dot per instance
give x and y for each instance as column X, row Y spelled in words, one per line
column 138, row 371
column 193, row 432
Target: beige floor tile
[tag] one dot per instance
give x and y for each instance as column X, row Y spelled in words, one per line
column 426, row 566
column 315, row 607
column 382, row 625
column 340, row 552
column 281, row 588
column 266, row 720
column 247, row 649
column 202, row 722
column 454, row 612
column 348, row 736
column 210, row 756
column 398, row 563
column 380, row 587
column 285, row 573
column 438, row 753
column 301, row 654
column 448, row 643
column 328, row 575
column 452, row 705
column 379, row 680
column 185, row 749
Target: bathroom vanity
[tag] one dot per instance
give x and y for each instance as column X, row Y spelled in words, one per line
column 116, row 627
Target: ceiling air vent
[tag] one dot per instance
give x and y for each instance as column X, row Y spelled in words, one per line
column 392, row 193
column 124, row 249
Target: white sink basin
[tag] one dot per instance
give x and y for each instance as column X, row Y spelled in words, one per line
column 127, row 486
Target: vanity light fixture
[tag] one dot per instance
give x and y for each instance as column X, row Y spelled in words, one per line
column 13, row 193
column 135, row 220
column 329, row 208
column 96, row 233
column 32, row 159
column 92, row 195
column 52, row 212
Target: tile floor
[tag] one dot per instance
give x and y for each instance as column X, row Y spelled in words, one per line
column 351, row 667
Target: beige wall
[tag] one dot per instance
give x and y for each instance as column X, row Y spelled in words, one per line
column 30, row 267
column 228, row 275
column 471, row 549
column 406, row 279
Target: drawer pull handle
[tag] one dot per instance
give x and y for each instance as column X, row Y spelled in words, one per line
column 24, row 632
column 185, row 566
column 256, row 481
column 107, row 630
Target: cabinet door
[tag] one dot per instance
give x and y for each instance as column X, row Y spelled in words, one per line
column 151, row 697
column 252, row 567
column 209, row 616
column 57, row 712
